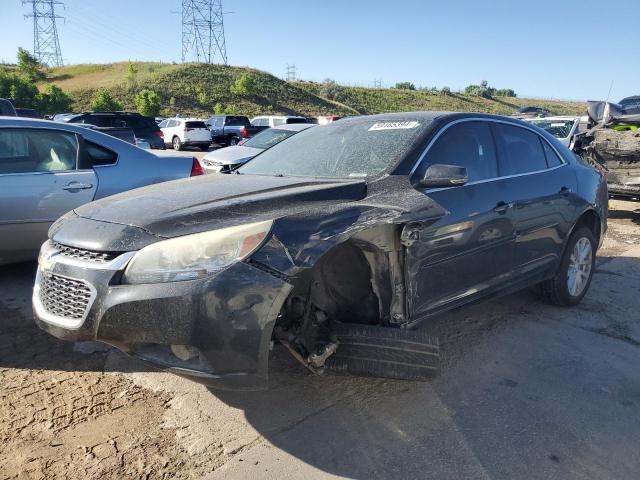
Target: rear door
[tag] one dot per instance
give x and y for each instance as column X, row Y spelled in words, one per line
column 39, row 182
column 542, row 185
column 467, row 253
column 217, row 133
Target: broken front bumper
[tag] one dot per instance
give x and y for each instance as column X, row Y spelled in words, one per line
column 215, row 330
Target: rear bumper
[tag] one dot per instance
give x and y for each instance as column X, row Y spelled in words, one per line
column 216, row 331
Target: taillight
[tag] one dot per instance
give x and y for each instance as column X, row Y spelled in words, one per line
column 196, row 168
column 244, row 133
column 159, row 134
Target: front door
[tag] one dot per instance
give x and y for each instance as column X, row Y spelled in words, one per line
column 467, row 253
column 39, row 182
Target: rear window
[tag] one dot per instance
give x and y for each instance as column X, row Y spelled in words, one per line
column 237, row 121
column 6, row 108
column 291, row 121
column 195, row 125
column 140, row 124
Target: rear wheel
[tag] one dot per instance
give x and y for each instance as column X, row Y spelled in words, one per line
column 176, row 143
column 573, row 278
column 233, row 140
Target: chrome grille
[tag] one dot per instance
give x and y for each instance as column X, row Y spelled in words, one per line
column 64, row 297
column 86, row 255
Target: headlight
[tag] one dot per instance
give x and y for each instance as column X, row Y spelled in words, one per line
column 195, row 256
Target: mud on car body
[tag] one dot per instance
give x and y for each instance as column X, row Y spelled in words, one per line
column 333, row 244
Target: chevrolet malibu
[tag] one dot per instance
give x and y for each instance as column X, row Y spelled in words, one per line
column 333, row 244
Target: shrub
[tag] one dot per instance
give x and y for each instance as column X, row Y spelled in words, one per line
column 148, row 103
column 244, row 85
column 445, row 91
column 505, row 92
column 330, row 89
column 132, row 73
column 103, row 102
column 405, row 86
column 54, row 100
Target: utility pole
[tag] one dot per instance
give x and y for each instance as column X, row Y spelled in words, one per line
column 291, row 72
column 203, row 31
column 46, row 46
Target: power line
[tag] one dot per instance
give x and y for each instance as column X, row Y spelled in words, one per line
column 203, row 31
column 46, row 45
column 291, row 72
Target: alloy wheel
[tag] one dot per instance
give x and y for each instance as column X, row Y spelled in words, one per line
column 580, row 265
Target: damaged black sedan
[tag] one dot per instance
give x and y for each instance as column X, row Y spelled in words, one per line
column 333, row 244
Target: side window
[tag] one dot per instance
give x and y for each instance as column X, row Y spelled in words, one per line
column 467, row 144
column 521, row 150
column 552, row 157
column 163, row 124
column 97, row 155
column 26, row 150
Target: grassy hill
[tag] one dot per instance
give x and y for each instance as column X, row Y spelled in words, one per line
column 197, row 89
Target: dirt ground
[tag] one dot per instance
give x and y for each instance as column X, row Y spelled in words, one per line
column 527, row 391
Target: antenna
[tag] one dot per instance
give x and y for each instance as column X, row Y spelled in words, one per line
column 291, row 72
column 203, row 31
column 610, row 88
column 46, row 46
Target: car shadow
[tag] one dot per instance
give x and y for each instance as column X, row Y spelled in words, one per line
column 628, row 213
column 509, row 401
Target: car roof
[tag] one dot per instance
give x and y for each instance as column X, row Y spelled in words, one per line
column 294, row 127
column 559, row 118
column 24, row 122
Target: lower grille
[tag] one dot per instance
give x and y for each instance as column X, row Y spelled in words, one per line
column 86, row 255
column 64, row 297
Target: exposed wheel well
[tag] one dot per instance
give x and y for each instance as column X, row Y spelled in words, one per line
column 591, row 220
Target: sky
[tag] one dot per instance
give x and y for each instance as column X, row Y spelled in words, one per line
column 562, row 49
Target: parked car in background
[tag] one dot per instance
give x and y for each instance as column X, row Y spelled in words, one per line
column 333, row 243
column 124, row 134
column 7, row 109
column 185, row 132
column 226, row 160
column 271, row 121
column 563, row 128
column 323, row 120
column 144, row 128
column 27, row 113
column 531, row 112
column 630, row 105
column 48, row 168
column 231, row 129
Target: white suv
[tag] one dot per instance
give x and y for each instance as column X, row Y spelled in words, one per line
column 277, row 120
column 185, row 132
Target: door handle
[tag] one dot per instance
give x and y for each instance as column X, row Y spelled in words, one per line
column 502, row 207
column 77, row 186
column 565, row 191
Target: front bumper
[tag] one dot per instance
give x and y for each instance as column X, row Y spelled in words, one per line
column 216, row 330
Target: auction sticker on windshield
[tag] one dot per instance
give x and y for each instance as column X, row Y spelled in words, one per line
column 393, row 125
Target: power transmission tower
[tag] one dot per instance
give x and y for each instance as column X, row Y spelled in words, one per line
column 203, row 31
column 46, row 46
column 377, row 83
column 291, row 72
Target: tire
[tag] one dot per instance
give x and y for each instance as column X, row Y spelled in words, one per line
column 386, row 352
column 560, row 290
column 233, row 140
column 176, row 143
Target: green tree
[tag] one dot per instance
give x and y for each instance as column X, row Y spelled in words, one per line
column 29, row 66
column 405, row 86
column 445, row 91
column 505, row 92
column 148, row 103
column 18, row 88
column 54, row 100
column 103, row 102
column 244, row 85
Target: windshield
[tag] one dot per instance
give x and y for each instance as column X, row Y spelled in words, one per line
column 557, row 128
column 339, row 150
column 268, row 138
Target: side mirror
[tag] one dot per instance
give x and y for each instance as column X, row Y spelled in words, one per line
column 440, row 176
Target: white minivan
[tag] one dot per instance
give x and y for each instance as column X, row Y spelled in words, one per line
column 277, row 120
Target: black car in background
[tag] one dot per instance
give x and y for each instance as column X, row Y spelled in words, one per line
column 334, row 244
column 7, row 109
column 144, row 128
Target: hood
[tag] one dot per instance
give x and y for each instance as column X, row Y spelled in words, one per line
column 211, row 202
column 231, row 155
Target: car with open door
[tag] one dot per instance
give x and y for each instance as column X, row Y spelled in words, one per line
column 333, row 245
column 48, row 168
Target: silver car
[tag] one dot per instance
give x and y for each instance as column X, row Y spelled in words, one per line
column 49, row 168
column 227, row 159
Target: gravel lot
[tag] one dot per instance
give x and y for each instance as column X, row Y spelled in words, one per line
column 527, row 391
